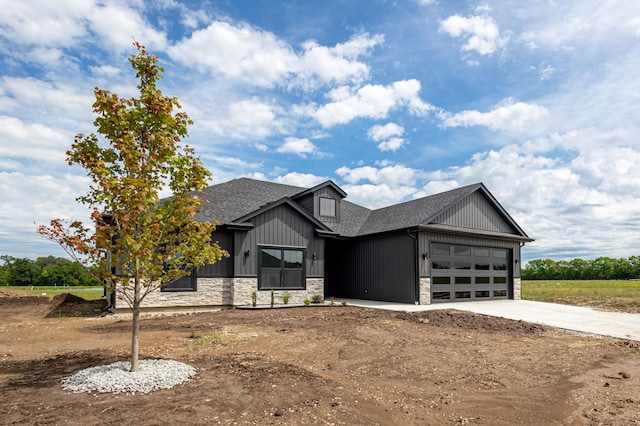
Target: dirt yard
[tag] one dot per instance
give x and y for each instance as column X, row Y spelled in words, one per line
column 317, row 365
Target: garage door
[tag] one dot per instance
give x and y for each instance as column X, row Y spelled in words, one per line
column 462, row 273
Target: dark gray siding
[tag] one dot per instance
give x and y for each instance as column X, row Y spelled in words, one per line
column 280, row 226
column 223, row 268
column 373, row 269
column 306, row 203
column 475, row 212
column 326, row 192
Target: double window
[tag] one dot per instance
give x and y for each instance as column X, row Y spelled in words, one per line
column 281, row 268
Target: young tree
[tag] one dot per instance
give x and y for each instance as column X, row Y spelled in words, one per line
column 137, row 242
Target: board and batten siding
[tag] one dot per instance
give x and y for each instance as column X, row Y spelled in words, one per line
column 224, row 267
column 280, row 226
column 474, row 212
column 373, row 269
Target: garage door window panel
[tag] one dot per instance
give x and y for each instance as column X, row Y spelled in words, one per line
column 440, row 264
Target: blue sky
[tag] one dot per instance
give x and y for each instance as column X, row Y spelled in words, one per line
column 393, row 100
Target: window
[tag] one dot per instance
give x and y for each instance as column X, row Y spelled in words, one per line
column 281, row 268
column 187, row 283
column 463, row 265
column 440, row 265
column 439, row 250
column 442, row 280
column 327, row 207
column 462, row 251
column 441, row 295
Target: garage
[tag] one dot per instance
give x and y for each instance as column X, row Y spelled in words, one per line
column 465, row 273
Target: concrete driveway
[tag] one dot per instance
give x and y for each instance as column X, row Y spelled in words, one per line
column 574, row 318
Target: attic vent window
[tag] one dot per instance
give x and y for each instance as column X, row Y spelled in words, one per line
column 327, row 207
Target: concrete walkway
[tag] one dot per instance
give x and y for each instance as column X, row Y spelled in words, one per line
column 574, row 318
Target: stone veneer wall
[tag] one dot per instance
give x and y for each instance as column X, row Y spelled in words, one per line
column 517, row 288
column 425, row 291
column 228, row 292
column 211, row 292
column 243, row 289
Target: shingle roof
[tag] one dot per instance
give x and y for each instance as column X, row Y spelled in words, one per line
column 237, row 198
column 413, row 213
column 231, row 200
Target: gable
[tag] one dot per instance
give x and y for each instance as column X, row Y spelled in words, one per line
column 283, row 225
column 474, row 212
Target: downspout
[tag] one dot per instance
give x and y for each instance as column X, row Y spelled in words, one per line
column 417, row 268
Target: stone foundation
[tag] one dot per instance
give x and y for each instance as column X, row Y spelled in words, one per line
column 228, row 292
column 425, row 291
column 517, row 288
column 211, row 292
column 243, row 289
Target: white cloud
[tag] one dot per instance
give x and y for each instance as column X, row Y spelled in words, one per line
column 379, row 133
column 482, row 32
column 33, row 22
column 248, row 119
column 118, row 25
column 392, row 144
column 388, row 136
column 259, row 58
column 377, row 196
column 53, row 101
column 566, row 206
column 65, row 23
column 508, row 115
column 303, row 180
column 241, row 52
column 300, row 147
column 33, row 142
column 393, row 175
column 27, row 203
column 337, row 64
column 371, row 101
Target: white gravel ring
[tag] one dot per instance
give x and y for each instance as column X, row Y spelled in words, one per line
column 153, row 374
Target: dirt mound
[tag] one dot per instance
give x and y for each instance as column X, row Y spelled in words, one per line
column 68, row 305
column 471, row 321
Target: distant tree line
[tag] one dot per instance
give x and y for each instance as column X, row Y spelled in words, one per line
column 602, row 268
column 44, row 271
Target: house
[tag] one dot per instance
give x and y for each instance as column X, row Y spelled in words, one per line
column 458, row 245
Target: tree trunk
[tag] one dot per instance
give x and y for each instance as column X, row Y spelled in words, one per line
column 135, row 327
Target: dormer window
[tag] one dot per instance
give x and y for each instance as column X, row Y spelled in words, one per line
column 327, row 207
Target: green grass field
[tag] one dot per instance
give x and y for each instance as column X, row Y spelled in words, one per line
column 614, row 295
column 87, row 293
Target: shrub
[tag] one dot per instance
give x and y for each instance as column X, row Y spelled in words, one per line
column 317, row 298
column 285, row 298
column 273, row 298
column 254, row 299
column 307, row 302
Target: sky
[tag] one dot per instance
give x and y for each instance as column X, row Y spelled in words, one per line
column 392, row 100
